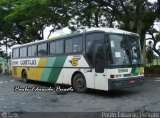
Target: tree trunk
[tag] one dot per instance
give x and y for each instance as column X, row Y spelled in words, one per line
column 96, row 19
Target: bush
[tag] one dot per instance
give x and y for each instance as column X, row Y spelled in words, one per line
column 152, row 70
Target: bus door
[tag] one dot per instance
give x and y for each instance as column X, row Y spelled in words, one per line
column 99, row 65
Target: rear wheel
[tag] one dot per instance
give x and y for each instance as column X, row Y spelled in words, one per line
column 79, row 83
column 24, row 77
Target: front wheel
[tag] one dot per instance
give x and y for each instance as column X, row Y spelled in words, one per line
column 24, row 77
column 79, row 83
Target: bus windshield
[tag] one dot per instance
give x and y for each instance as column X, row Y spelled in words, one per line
column 124, row 50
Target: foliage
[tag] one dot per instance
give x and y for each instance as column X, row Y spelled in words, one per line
column 27, row 19
column 152, row 69
column 154, row 40
column 136, row 16
column 149, row 56
column 24, row 21
column 2, row 54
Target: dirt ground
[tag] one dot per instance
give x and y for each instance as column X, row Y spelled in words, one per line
column 145, row 98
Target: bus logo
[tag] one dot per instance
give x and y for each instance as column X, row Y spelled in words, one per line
column 74, row 61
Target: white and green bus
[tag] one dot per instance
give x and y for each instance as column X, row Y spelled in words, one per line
column 98, row 58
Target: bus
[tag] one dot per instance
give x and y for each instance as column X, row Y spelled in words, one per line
column 96, row 58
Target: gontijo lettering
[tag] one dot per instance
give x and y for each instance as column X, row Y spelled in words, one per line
column 28, row 62
column 24, row 62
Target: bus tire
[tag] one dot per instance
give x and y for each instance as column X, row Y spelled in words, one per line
column 24, row 76
column 79, row 83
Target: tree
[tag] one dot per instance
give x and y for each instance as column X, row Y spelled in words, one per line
column 3, row 54
column 154, row 40
column 89, row 13
column 149, row 56
column 135, row 16
column 131, row 15
column 24, row 21
column 27, row 19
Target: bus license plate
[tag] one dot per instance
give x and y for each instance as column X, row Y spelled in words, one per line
column 132, row 81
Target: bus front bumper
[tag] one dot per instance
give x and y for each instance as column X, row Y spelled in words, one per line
column 114, row 84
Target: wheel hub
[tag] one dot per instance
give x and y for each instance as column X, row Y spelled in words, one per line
column 80, row 83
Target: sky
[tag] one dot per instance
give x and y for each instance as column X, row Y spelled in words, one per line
column 152, row 0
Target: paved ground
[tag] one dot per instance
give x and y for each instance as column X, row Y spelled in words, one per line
column 137, row 99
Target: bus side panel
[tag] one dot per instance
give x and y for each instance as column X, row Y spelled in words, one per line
column 40, row 69
column 76, row 64
column 32, row 73
column 89, row 76
column 53, row 69
column 19, row 71
column 14, row 71
column 65, row 76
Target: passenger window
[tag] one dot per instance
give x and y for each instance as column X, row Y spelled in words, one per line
column 68, row 46
column 32, row 50
column 16, row 53
column 77, row 44
column 23, row 52
column 42, row 49
column 59, row 47
column 52, row 48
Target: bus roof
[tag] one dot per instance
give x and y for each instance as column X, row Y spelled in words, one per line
column 111, row 30
column 107, row 30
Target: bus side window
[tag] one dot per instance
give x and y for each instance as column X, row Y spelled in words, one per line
column 59, row 47
column 23, row 52
column 77, row 44
column 52, row 48
column 16, row 53
column 32, row 50
column 42, row 49
column 68, row 46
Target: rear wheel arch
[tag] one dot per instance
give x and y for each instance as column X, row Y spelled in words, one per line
column 24, row 76
column 23, row 70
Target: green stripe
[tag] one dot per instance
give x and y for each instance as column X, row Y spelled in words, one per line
column 137, row 70
column 55, row 72
column 133, row 70
column 47, row 71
